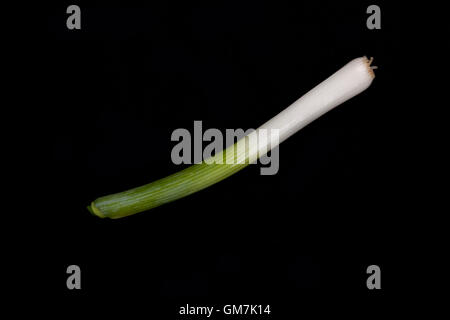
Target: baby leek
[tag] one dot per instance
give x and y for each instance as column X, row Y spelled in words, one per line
column 347, row 82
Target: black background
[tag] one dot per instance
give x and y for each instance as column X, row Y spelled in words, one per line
column 300, row 240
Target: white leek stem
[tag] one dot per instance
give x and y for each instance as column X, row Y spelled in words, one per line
column 352, row 79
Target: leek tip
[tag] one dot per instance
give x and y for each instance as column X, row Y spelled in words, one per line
column 94, row 211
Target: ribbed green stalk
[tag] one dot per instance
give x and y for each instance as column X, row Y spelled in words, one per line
column 173, row 187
